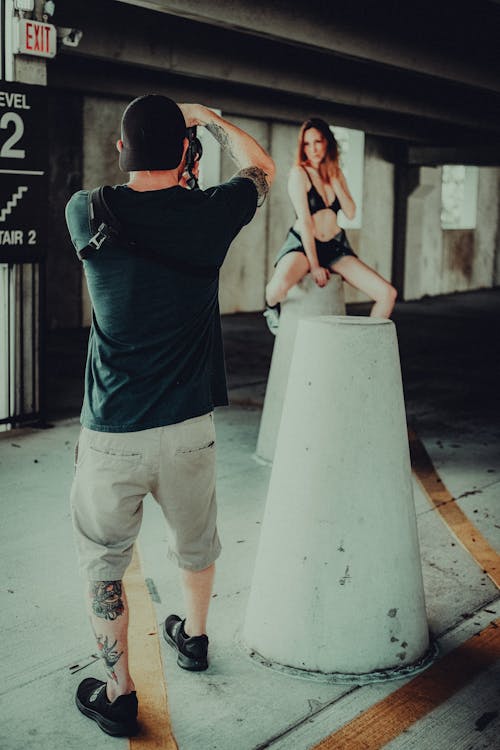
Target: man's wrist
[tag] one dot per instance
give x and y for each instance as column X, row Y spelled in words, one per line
column 206, row 116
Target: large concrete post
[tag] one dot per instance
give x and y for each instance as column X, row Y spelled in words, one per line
column 424, row 236
column 337, row 588
column 303, row 300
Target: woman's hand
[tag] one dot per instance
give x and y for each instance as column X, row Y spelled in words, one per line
column 320, row 275
column 347, row 204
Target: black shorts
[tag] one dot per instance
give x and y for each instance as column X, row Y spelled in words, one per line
column 328, row 252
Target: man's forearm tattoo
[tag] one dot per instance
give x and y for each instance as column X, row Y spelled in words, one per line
column 106, row 599
column 222, row 136
column 108, row 654
column 258, row 177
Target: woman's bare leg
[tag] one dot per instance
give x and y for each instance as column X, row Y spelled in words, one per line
column 364, row 278
column 290, row 270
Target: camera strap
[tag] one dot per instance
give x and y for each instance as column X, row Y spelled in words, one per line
column 106, row 227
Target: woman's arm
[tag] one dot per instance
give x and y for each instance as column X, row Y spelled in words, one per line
column 342, row 192
column 251, row 159
column 297, row 190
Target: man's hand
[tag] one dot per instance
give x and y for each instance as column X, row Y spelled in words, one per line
column 320, row 275
column 183, row 181
column 192, row 114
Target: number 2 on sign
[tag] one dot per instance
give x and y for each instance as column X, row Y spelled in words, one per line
column 31, row 237
column 7, row 151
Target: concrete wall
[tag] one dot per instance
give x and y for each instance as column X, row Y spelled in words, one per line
column 469, row 255
column 243, row 275
column 486, row 232
column 373, row 242
column 424, row 236
column 443, row 261
column 436, row 262
column 101, row 130
column 283, row 146
column 64, row 308
column 496, row 269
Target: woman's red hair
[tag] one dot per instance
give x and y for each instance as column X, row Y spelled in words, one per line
column 329, row 167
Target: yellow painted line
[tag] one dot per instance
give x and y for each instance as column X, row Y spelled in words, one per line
column 146, row 665
column 387, row 719
column 445, row 504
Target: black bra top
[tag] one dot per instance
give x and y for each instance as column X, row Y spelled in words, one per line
column 316, row 202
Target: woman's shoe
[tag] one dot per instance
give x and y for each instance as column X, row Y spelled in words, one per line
column 272, row 316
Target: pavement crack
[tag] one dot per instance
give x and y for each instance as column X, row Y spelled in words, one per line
column 41, row 675
column 473, row 612
column 300, row 722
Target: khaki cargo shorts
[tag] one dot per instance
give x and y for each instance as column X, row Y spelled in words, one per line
column 113, row 474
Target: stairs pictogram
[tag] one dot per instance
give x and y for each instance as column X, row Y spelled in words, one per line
column 12, row 203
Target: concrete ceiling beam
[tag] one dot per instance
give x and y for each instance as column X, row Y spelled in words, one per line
column 102, row 77
column 432, row 156
column 130, row 37
column 316, row 25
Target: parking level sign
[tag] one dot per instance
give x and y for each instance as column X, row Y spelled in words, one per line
column 23, row 171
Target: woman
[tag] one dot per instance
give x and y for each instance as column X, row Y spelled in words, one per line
column 316, row 243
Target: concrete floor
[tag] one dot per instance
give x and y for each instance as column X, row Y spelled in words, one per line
column 450, row 360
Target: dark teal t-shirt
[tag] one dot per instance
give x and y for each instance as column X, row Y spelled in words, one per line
column 155, row 353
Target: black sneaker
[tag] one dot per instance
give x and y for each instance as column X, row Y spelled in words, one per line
column 118, row 718
column 192, row 651
column 272, row 316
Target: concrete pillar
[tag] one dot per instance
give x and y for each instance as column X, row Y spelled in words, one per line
column 424, row 237
column 303, row 300
column 337, row 589
column 243, row 273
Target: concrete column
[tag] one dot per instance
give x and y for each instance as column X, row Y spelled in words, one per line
column 243, row 273
column 303, row 300
column 337, row 589
column 424, row 237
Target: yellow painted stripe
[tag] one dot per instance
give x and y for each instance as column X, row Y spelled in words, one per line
column 465, row 531
column 146, row 665
column 386, row 720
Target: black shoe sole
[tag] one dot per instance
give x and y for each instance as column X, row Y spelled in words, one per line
column 114, row 728
column 185, row 662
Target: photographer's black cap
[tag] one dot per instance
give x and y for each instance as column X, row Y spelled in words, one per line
column 152, row 130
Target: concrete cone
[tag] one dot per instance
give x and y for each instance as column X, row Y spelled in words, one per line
column 304, row 300
column 337, row 587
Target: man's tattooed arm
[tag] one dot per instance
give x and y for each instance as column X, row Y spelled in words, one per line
column 223, row 137
column 259, row 179
column 251, row 159
column 106, row 599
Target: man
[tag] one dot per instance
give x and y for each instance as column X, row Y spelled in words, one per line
column 154, row 373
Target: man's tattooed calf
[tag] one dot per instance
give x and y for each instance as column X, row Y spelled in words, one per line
column 107, row 599
column 108, row 654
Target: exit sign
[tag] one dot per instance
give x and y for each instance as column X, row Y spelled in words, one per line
column 35, row 38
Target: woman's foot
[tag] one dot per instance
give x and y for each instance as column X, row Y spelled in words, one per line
column 272, row 316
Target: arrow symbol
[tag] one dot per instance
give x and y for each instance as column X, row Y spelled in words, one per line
column 12, row 203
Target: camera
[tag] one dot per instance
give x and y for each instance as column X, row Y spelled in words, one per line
column 193, row 154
